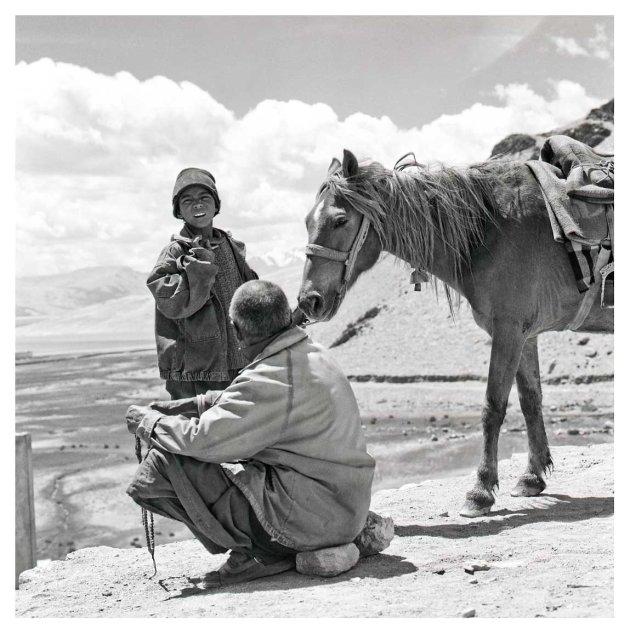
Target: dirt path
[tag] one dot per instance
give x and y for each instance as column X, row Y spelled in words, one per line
column 549, row 556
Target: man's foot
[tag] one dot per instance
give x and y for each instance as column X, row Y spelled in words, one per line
column 241, row 567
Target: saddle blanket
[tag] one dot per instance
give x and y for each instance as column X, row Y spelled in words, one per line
column 578, row 187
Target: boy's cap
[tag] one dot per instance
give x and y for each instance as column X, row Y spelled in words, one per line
column 194, row 176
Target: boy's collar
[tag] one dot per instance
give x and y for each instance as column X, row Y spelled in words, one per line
column 218, row 235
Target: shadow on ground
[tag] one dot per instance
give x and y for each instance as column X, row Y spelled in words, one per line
column 376, row 567
column 546, row 508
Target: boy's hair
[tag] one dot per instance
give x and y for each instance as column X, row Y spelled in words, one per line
column 194, row 176
column 260, row 309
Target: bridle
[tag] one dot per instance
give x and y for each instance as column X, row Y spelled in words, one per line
column 349, row 257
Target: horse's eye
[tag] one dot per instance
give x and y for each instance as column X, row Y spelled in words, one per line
column 339, row 222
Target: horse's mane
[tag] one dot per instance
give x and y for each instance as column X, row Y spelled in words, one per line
column 410, row 208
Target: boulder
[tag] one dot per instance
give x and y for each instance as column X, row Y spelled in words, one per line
column 376, row 535
column 327, row 562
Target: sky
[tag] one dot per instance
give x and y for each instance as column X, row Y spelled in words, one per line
column 110, row 108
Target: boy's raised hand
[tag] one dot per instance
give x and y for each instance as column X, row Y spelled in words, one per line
column 201, row 254
column 197, row 252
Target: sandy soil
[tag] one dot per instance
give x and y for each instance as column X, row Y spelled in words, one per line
column 550, row 556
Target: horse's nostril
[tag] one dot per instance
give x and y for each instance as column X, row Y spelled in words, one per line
column 311, row 303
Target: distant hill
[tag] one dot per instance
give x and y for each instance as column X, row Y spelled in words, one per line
column 44, row 295
column 285, row 271
column 102, row 304
column 596, row 130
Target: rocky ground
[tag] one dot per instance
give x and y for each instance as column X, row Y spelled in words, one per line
column 549, row 556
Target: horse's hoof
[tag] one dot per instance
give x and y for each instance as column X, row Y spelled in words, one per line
column 528, row 486
column 478, row 502
column 473, row 510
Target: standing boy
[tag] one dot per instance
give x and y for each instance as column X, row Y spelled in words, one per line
column 193, row 282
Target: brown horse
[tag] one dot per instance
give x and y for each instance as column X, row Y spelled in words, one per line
column 484, row 231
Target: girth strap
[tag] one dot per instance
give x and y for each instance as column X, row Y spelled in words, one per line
column 589, row 296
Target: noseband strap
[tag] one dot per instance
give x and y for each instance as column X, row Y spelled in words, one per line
column 326, row 253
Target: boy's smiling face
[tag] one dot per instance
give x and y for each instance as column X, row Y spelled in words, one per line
column 197, row 206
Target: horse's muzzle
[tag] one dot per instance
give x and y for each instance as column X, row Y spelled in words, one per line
column 312, row 305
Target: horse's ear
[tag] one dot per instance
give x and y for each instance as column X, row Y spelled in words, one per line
column 334, row 166
column 350, row 164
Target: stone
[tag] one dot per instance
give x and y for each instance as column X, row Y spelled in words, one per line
column 327, row 562
column 376, row 536
column 477, row 564
column 468, row 614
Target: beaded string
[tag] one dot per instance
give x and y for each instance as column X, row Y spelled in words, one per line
column 147, row 518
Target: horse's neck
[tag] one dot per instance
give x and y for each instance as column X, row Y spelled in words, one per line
column 441, row 265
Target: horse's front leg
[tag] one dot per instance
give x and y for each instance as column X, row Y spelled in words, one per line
column 530, row 396
column 507, row 344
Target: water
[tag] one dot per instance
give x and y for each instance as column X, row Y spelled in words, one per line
column 62, row 345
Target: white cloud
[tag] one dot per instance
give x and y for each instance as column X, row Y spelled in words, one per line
column 569, row 46
column 600, row 45
column 97, row 156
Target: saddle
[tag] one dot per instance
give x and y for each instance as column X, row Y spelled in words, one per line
column 589, row 174
column 578, row 187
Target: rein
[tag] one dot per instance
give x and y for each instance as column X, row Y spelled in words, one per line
column 349, row 257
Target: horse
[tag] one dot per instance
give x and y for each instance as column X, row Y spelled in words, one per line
column 483, row 231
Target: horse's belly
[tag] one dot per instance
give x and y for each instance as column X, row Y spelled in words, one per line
column 599, row 320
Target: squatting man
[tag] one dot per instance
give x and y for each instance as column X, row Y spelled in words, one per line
column 275, row 464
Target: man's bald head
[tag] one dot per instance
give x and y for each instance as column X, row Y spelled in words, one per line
column 260, row 309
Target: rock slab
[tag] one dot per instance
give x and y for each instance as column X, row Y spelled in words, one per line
column 376, row 536
column 327, row 562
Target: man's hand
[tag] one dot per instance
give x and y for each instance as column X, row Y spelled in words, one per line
column 134, row 417
column 185, row 406
column 298, row 317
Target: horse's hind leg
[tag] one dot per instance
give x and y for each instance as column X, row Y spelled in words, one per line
column 507, row 344
column 530, row 396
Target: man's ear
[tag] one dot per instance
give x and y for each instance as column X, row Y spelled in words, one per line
column 350, row 164
column 237, row 330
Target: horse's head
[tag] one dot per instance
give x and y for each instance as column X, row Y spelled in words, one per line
column 342, row 242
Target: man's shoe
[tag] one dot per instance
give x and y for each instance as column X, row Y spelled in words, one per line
column 241, row 567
